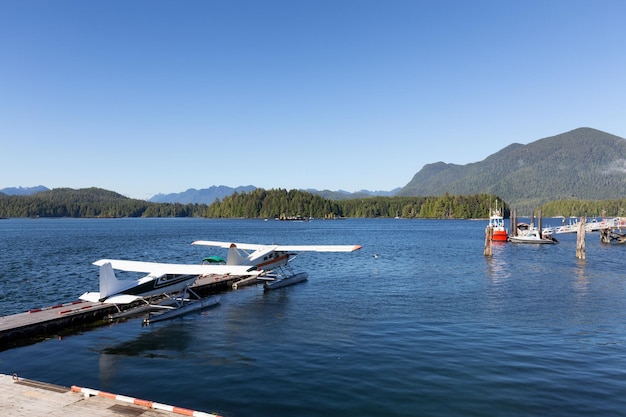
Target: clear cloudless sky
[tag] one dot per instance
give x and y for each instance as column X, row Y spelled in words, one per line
column 151, row 96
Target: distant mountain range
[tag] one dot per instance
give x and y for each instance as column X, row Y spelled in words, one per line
column 585, row 164
column 202, row 196
column 209, row 195
column 215, row 192
column 23, row 190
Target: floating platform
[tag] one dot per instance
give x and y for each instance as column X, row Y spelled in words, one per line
column 33, row 325
column 28, row 398
column 42, row 322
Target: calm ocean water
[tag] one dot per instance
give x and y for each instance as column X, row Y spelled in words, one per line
column 429, row 327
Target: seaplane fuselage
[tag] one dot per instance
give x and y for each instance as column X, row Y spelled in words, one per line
column 269, row 259
column 155, row 285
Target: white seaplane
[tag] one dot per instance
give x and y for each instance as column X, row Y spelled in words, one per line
column 271, row 260
column 165, row 288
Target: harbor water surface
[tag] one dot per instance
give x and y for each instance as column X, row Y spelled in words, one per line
column 416, row 323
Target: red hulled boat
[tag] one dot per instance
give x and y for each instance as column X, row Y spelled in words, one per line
column 496, row 221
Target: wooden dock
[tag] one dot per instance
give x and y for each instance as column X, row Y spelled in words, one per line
column 27, row 398
column 36, row 324
column 17, row 329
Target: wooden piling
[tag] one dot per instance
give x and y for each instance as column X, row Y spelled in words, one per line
column 581, row 251
column 488, row 238
column 513, row 223
column 605, row 235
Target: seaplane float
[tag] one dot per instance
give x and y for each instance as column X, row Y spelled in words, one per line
column 271, row 260
column 165, row 291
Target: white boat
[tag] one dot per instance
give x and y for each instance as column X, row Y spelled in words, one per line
column 532, row 236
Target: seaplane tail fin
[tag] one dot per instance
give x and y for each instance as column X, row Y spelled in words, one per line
column 109, row 284
column 234, row 256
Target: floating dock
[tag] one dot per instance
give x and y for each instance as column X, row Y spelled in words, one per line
column 33, row 325
column 26, row 398
column 41, row 322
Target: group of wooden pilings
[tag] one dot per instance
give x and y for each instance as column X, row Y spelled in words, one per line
column 610, row 235
column 513, row 231
column 581, row 251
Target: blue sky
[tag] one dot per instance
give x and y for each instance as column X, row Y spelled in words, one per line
column 147, row 97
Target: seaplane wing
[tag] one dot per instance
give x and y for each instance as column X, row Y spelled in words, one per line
column 156, row 268
column 227, row 245
column 318, row 248
column 269, row 257
column 281, row 248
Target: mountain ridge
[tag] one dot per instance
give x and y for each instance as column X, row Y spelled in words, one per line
column 200, row 196
column 23, row 190
column 584, row 163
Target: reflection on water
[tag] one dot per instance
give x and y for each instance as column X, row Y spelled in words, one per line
column 581, row 280
column 497, row 267
column 157, row 342
column 107, row 369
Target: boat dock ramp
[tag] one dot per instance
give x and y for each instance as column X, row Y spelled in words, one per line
column 594, row 225
column 611, row 230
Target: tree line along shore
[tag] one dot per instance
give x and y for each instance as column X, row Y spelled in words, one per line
column 283, row 204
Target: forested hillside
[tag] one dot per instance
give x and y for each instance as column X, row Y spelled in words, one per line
column 584, row 164
column 281, row 203
column 89, row 202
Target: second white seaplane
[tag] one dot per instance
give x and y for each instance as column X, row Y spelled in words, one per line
column 271, row 260
column 166, row 287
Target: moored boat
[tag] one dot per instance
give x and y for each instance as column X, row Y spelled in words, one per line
column 530, row 234
column 496, row 222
